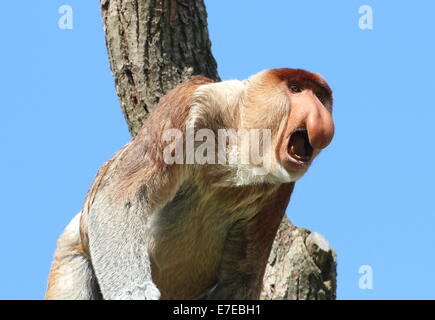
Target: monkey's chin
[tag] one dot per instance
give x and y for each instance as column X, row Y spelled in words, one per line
column 279, row 173
column 276, row 174
column 286, row 174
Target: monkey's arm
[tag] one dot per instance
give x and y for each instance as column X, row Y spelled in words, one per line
column 118, row 233
column 247, row 250
column 127, row 192
column 118, row 243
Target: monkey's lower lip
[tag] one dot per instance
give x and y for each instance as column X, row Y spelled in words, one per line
column 299, row 147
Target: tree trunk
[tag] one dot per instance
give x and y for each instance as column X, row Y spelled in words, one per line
column 154, row 45
column 301, row 266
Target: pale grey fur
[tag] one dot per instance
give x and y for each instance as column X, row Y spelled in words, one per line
column 77, row 279
column 118, row 241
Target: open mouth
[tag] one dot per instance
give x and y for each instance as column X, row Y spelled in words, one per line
column 299, row 147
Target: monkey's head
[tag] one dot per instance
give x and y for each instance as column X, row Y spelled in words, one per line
column 296, row 105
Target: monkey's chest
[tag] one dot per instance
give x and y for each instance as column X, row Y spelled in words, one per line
column 189, row 235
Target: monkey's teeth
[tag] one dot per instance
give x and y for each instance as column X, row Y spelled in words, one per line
column 299, row 147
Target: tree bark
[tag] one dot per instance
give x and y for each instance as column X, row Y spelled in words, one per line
column 301, row 266
column 153, row 45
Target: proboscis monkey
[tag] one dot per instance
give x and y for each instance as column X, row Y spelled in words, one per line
column 155, row 228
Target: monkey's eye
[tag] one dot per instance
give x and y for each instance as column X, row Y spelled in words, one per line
column 295, row 88
column 322, row 97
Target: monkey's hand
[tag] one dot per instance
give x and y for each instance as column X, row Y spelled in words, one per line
column 146, row 292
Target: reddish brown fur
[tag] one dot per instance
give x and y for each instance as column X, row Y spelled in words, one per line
column 305, row 80
column 221, row 234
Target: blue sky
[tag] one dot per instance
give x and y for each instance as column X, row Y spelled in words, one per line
column 371, row 193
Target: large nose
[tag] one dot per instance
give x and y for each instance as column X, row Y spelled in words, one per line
column 318, row 120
